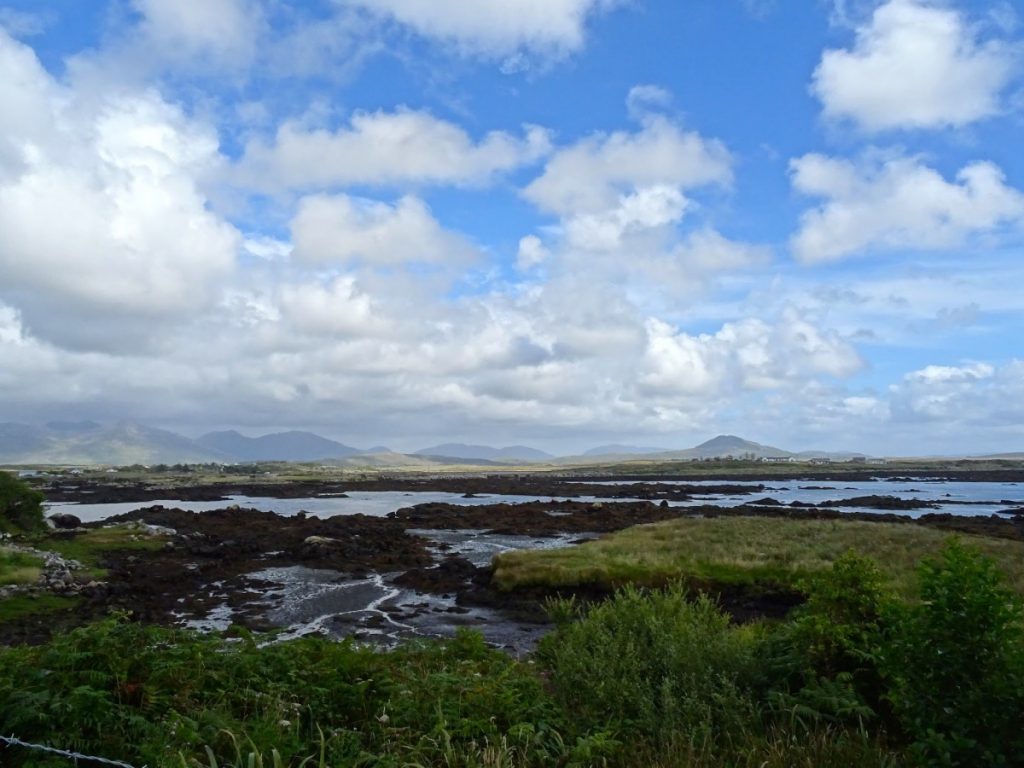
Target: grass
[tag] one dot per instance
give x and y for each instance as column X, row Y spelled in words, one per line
column 88, row 548
column 19, row 567
column 18, row 607
column 741, row 551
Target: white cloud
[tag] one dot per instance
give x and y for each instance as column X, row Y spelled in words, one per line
column 340, row 229
column 969, row 394
column 496, row 28
column 915, row 65
column 265, row 247
column 896, row 203
column 589, row 176
column 335, row 308
column 386, row 148
column 531, row 253
column 706, row 250
column 647, row 208
column 198, row 33
column 24, row 23
column 748, row 354
column 642, row 100
column 99, row 208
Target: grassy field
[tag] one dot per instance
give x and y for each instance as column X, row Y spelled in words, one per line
column 741, row 550
column 88, row 548
column 18, row 567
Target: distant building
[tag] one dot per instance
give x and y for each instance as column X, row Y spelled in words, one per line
column 778, row 459
column 821, row 460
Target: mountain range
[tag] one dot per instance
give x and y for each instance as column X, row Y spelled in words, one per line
column 87, row 442
column 281, row 446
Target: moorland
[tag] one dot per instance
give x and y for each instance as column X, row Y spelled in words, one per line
column 668, row 626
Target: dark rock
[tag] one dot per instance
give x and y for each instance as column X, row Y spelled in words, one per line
column 64, row 521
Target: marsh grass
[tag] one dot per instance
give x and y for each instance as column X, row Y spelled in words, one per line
column 20, row 606
column 19, row 567
column 709, row 552
column 88, row 548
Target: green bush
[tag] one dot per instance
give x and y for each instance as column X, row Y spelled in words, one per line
column 162, row 697
column 21, row 507
column 653, row 664
column 823, row 664
column 954, row 664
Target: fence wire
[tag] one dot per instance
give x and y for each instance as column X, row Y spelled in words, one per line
column 76, row 756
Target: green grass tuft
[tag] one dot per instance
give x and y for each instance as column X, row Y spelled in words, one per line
column 19, row 567
column 21, row 606
column 88, row 548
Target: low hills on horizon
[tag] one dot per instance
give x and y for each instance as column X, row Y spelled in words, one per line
column 88, row 442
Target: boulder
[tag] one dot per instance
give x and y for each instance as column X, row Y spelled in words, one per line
column 65, row 521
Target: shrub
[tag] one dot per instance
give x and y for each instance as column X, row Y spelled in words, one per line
column 21, row 507
column 653, row 664
column 162, row 697
column 955, row 664
column 824, row 663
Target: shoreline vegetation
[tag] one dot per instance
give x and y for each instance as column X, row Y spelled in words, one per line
column 770, row 553
column 903, row 646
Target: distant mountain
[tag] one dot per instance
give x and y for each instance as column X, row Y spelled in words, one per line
column 21, row 439
column 484, row 452
column 280, row 446
column 91, row 443
column 73, row 426
column 614, row 449
column 730, row 445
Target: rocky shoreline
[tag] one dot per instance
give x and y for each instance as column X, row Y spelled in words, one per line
column 217, row 562
column 655, row 487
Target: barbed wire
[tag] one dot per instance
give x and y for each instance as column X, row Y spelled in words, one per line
column 76, row 756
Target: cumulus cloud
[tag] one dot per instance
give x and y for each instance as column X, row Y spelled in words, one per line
column 896, row 203
column 212, row 31
column 337, row 307
column 916, row 64
column 973, row 393
column 706, row 250
column 747, row 354
column 647, row 208
column 590, row 175
column 385, row 148
column 625, row 217
column 644, row 99
column 340, row 229
column 99, row 207
column 531, row 252
column 496, row 28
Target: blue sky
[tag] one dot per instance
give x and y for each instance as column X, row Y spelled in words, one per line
column 559, row 223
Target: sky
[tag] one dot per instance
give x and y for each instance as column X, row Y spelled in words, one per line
column 552, row 222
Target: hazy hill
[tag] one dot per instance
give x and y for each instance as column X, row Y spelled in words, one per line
column 723, row 446
column 279, row 446
column 21, row 439
column 485, row 452
column 91, row 443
